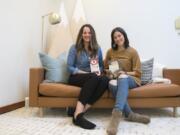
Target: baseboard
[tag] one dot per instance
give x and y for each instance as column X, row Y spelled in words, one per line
column 11, row 107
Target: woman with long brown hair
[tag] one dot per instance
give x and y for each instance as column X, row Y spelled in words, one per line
column 93, row 85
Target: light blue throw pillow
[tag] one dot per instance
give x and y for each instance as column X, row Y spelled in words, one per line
column 56, row 69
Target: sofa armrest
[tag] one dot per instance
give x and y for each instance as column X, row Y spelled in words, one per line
column 36, row 76
column 173, row 75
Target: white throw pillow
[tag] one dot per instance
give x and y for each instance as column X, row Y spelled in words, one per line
column 161, row 80
column 158, row 70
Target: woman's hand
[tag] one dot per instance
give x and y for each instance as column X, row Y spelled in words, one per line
column 108, row 73
column 98, row 73
column 122, row 72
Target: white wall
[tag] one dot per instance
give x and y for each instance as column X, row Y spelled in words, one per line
column 20, row 42
column 148, row 23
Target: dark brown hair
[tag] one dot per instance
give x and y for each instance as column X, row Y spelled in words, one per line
column 93, row 46
column 126, row 40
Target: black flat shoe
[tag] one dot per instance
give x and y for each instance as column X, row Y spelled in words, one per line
column 70, row 111
column 82, row 122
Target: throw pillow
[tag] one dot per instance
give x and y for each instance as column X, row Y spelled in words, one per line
column 147, row 69
column 56, row 69
column 161, row 80
column 158, row 70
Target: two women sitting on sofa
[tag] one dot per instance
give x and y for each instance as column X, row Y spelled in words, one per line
column 81, row 58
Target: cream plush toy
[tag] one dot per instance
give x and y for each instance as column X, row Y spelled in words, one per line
column 114, row 67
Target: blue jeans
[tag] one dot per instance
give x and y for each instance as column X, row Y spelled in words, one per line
column 120, row 93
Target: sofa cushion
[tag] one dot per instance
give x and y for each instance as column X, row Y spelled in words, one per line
column 147, row 69
column 56, row 68
column 61, row 90
column 155, row 91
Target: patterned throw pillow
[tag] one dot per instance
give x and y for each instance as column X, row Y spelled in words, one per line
column 147, row 69
column 56, row 69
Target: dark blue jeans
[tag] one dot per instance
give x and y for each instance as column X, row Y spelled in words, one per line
column 120, row 93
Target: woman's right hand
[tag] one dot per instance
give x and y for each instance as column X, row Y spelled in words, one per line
column 121, row 72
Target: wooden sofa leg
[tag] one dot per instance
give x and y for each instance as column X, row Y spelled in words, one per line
column 40, row 112
column 175, row 111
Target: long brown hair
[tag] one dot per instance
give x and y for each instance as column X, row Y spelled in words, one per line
column 93, row 45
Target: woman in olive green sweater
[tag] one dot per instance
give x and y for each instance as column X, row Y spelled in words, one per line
column 129, row 77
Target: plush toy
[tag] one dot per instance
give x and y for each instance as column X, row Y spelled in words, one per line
column 115, row 67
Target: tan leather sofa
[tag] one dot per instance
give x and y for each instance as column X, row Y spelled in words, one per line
column 62, row 95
